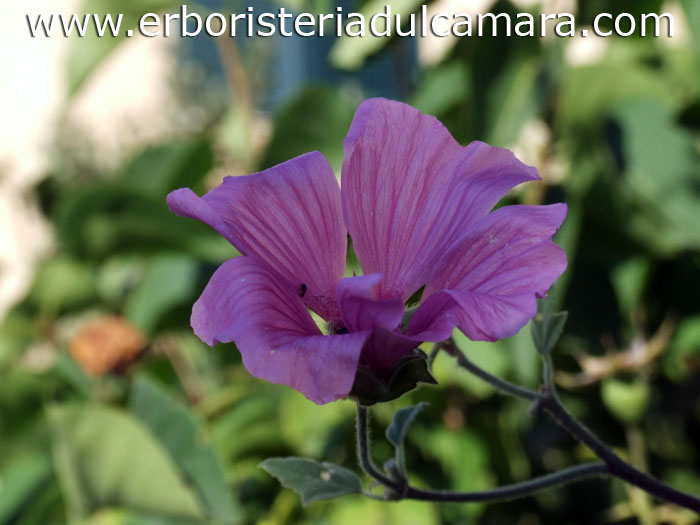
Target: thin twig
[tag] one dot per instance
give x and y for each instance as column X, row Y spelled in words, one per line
column 500, row 384
column 617, row 467
column 517, row 490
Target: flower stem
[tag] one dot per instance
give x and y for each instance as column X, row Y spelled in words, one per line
column 507, row 492
column 516, row 490
column 500, row 384
column 618, row 467
column 363, row 450
column 548, row 401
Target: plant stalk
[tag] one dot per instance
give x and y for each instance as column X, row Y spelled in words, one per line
column 399, row 490
column 617, row 467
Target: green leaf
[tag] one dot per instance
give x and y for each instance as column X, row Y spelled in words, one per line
column 354, row 511
column 87, row 52
column 20, row 478
column 254, row 422
column 181, row 435
column 661, row 176
column 464, row 456
column 524, row 360
column 547, row 326
column 18, row 331
column 692, row 11
column 317, row 116
column 442, row 88
column 683, row 356
column 105, row 218
column 116, row 276
column 126, row 517
column 491, row 356
column 68, row 370
column 232, row 134
column 62, row 283
column 629, row 280
column 105, row 457
column 307, row 431
column 589, row 93
column 685, row 479
column 158, row 170
column 627, row 401
column 45, row 506
column 351, row 52
column 313, row 480
column 170, row 280
column 397, row 430
column 513, row 101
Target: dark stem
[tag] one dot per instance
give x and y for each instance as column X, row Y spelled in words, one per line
column 363, row 452
column 616, row 466
column 500, row 384
column 517, row 490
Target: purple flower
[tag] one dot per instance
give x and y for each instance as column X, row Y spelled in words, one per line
column 417, row 206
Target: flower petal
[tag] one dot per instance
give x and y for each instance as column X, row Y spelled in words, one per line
column 435, row 318
column 487, row 285
column 289, row 216
column 361, row 310
column 248, row 303
column 410, row 191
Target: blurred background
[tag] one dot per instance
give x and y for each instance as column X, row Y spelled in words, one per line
column 112, row 411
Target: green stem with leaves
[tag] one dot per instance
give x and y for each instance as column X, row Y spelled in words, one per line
column 397, row 485
column 401, row 489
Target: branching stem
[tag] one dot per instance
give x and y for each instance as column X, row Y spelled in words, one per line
column 548, row 401
column 402, row 490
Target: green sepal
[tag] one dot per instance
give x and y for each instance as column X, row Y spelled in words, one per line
column 547, row 326
column 408, row 372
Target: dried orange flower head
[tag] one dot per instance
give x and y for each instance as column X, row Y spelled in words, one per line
column 106, row 344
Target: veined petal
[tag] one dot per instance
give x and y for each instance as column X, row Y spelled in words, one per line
column 435, row 318
column 483, row 176
column 487, row 285
column 288, row 216
column 410, row 191
column 248, row 303
column 361, row 310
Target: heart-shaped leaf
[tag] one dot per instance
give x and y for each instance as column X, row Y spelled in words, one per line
column 313, row 480
column 180, row 433
column 104, row 457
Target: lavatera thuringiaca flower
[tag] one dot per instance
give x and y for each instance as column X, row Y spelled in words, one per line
column 417, row 207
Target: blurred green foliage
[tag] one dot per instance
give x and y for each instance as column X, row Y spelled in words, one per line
column 177, row 436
